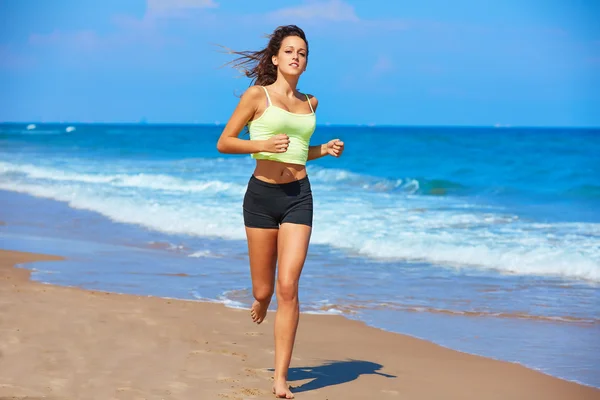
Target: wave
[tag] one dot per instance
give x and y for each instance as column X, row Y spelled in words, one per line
column 455, row 240
column 369, row 223
column 170, row 183
column 343, row 179
column 205, row 254
column 140, row 180
column 423, row 186
column 36, row 129
column 350, row 309
column 355, row 307
column 30, row 132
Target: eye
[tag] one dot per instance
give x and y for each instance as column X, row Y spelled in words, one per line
column 303, row 55
column 288, row 51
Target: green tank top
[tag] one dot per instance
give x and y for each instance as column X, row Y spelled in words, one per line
column 298, row 127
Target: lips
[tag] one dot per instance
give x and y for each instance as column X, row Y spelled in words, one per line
column 294, row 65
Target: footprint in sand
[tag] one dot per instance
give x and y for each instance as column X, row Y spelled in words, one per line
column 251, row 392
column 241, row 355
column 254, row 333
column 227, row 380
column 255, row 372
column 26, row 393
column 232, row 353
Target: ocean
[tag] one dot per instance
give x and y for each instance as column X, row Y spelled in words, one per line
column 484, row 240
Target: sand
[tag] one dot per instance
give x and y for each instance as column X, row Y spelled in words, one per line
column 69, row 343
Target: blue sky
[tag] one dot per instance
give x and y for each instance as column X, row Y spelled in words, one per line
column 426, row 62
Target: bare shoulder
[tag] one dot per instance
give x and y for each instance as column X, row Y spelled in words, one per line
column 252, row 98
column 314, row 102
column 254, row 92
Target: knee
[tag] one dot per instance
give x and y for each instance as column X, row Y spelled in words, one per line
column 287, row 290
column 262, row 292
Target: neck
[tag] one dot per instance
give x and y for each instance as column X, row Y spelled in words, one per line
column 286, row 84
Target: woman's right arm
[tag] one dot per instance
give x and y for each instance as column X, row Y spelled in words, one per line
column 228, row 141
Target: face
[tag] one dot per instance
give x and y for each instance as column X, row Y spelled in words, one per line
column 292, row 56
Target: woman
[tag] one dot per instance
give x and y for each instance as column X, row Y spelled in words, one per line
column 278, row 206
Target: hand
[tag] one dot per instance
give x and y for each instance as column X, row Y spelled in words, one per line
column 335, row 147
column 277, row 144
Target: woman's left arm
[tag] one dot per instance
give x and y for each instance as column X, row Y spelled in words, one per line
column 334, row 147
column 318, row 151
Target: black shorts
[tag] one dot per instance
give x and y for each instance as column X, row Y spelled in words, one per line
column 267, row 205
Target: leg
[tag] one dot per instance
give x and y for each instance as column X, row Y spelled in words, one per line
column 292, row 248
column 262, row 250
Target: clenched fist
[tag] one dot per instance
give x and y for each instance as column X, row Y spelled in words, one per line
column 277, row 144
column 335, row 147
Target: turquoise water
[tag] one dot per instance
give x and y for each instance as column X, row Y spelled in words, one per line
column 481, row 239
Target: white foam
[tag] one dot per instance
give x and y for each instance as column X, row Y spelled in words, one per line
column 380, row 225
column 168, row 217
column 331, row 311
column 222, row 299
column 457, row 239
column 204, row 254
column 139, row 180
column 322, row 176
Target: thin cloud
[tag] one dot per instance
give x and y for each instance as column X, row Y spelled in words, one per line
column 90, row 42
column 159, row 12
column 332, row 10
column 130, row 30
column 176, row 8
column 82, row 39
column 382, row 65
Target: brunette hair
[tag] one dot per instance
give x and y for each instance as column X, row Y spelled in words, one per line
column 258, row 65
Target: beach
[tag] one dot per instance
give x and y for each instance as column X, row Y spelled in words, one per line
column 449, row 180
column 69, row 343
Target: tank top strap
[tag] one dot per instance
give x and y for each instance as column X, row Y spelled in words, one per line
column 310, row 104
column 268, row 97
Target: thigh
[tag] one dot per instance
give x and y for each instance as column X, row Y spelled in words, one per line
column 262, row 250
column 292, row 247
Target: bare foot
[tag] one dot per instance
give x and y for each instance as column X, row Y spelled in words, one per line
column 258, row 312
column 281, row 390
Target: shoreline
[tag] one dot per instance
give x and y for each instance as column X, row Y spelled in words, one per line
column 93, row 344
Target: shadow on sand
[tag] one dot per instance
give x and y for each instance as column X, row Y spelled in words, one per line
column 332, row 373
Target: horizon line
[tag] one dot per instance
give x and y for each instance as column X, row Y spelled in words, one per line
column 322, row 125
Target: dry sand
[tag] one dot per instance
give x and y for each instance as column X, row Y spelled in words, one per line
column 69, row 343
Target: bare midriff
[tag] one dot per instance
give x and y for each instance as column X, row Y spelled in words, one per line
column 278, row 172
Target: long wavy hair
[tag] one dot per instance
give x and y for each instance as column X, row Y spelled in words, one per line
column 258, row 65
